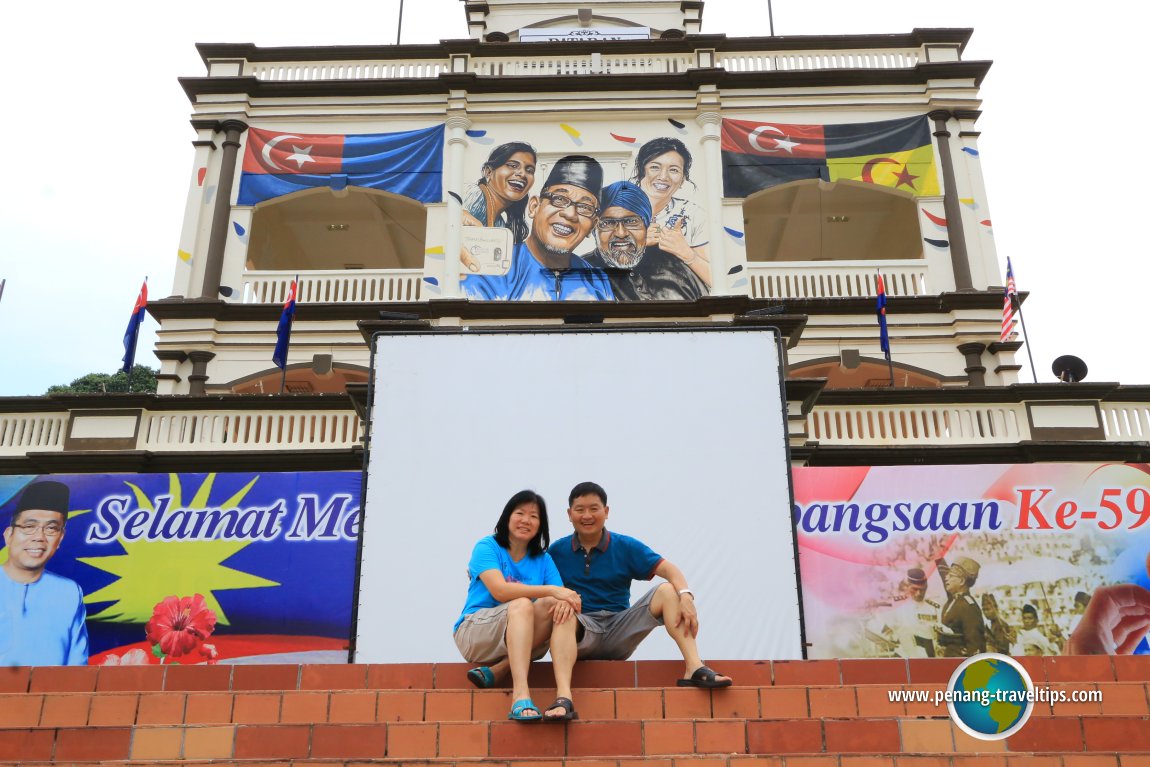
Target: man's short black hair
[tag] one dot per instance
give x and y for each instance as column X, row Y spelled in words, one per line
column 587, row 488
column 542, row 539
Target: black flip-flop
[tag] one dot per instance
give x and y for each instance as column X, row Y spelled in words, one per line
column 704, row 676
column 568, row 714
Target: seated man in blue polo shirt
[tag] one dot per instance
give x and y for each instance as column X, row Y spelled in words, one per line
column 600, row 565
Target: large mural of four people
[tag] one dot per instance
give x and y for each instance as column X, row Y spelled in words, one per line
column 576, row 238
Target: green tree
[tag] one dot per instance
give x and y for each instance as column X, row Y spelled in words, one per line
column 143, row 380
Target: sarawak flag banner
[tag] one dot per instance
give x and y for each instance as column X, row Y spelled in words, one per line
column 409, row 163
column 892, row 153
column 186, row 568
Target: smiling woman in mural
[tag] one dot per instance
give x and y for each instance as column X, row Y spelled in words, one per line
column 679, row 226
column 499, row 197
column 514, row 597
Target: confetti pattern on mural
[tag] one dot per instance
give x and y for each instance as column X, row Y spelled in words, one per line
column 624, row 139
column 184, row 256
column 735, row 269
column 435, row 252
column 969, row 151
column 431, row 281
column 209, row 193
column 240, row 231
column 678, row 126
column 940, row 244
column 969, row 202
column 938, row 221
column 735, row 235
column 200, row 174
column 455, row 197
column 575, row 135
column 742, row 281
column 479, row 137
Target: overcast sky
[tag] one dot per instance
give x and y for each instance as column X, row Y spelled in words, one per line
column 97, row 155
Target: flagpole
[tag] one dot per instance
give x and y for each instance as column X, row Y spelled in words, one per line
column 399, row 28
column 770, row 16
column 1017, row 304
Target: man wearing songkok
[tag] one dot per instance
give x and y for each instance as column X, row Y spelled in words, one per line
column 41, row 614
column 544, row 267
column 638, row 272
column 962, row 632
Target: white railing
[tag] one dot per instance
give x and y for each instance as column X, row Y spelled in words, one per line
column 1126, row 423
column 904, row 58
column 591, row 63
column 836, row 279
column 917, row 424
column 248, row 430
column 346, row 70
column 21, row 433
column 334, row 286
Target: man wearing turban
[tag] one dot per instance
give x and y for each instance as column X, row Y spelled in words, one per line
column 544, row 267
column 638, row 272
column 41, row 614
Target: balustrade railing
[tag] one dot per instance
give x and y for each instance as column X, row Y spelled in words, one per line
column 917, row 424
column 603, row 62
column 249, row 430
column 336, row 286
column 838, row 279
column 1126, row 422
column 29, row 432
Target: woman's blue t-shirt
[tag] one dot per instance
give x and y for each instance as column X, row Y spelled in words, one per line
column 489, row 555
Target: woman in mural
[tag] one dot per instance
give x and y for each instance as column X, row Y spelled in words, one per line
column 499, row 197
column 679, row 226
column 514, row 597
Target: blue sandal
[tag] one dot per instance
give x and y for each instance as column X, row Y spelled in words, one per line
column 481, row 677
column 520, row 706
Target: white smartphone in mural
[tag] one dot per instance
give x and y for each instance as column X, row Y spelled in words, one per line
column 490, row 246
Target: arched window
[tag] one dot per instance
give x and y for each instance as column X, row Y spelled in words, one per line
column 816, row 220
column 867, row 373
column 351, row 229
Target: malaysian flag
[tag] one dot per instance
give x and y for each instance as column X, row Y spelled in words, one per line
column 1008, row 296
column 880, row 308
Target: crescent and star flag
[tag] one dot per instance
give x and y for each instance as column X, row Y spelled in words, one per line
column 283, row 332
column 880, row 308
column 409, row 163
column 1008, row 295
column 892, row 153
column 132, row 334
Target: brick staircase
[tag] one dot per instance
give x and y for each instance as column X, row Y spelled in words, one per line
column 780, row 714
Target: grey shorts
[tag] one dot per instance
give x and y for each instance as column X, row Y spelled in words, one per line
column 481, row 637
column 614, row 636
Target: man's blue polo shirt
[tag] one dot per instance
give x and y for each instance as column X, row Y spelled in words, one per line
column 603, row 575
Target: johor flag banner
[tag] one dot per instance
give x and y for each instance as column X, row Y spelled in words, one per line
column 409, row 163
column 892, row 153
column 132, row 334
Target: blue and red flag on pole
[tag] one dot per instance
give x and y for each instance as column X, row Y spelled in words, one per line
column 880, row 308
column 283, row 332
column 132, row 334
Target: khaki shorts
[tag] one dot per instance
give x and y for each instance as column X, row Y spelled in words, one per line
column 614, row 636
column 481, row 637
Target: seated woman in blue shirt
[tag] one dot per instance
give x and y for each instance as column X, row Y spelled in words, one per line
column 514, row 597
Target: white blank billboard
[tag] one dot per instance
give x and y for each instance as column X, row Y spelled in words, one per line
column 684, row 430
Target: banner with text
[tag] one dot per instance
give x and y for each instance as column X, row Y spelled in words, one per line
column 177, row 568
column 918, row 561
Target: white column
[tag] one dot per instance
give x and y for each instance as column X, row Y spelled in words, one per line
column 456, row 144
column 713, row 163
